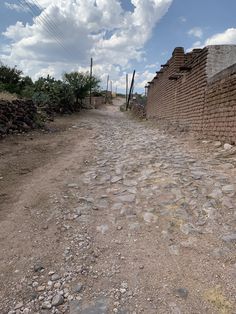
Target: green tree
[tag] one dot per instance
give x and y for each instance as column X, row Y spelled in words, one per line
column 10, row 79
column 42, row 96
column 81, row 83
column 26, row 81
column 26, row 87
column 53, row 95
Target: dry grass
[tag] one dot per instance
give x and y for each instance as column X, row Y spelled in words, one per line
column 219, row 300
column 7, row 96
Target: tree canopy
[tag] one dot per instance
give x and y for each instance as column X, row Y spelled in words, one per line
column 10, row 79
column 81, row 83
column 64, row 95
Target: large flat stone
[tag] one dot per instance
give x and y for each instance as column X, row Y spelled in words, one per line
column 98, row 307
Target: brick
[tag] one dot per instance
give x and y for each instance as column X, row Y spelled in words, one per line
column 193, row 101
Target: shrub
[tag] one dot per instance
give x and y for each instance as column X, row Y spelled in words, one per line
column 53, row 95
column 81, row 83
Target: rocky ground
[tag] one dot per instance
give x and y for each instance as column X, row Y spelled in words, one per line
column 107, row 214
column 18, row 115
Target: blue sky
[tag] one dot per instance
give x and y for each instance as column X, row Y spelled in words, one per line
column 120, row 35
column 212, row 16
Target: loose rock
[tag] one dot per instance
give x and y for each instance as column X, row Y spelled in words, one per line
column 58, row 300
column 229, row 237
column 46, row 305
column 78, row 288
column 55, row 277
column 182, row 293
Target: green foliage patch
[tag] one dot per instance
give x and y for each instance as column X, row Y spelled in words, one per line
column 49, row 94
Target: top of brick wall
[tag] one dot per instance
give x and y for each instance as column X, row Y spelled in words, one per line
column 219, row 58
column 223, row 74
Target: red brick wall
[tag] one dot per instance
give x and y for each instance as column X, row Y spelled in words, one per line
column 162, row 90
column 192, row 100
column 219, row 116
column 190, row 91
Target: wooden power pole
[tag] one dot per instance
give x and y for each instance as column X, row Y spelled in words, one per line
column 127, row 84
column 91, row 74
column 130, row 91
column 107, row 88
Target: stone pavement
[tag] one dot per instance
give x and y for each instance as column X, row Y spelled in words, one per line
column 149, row 225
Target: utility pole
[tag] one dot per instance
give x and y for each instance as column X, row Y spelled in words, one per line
column 111, row 89
column 107, row 88
column 127, row 84
column 91, row 74
column 130, row 91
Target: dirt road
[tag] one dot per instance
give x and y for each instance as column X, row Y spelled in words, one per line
column 106, row 214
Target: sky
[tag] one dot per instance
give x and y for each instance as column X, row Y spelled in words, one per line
column 44, row 37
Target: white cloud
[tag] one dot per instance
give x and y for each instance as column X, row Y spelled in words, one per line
column 141, row 79
column 16, row 7
column 228, row 37
column 182, row 19
column 196, row 32
column 152, row 66
column 164, row 53
column 17, row 31
column 85, row 28
column 196, row 44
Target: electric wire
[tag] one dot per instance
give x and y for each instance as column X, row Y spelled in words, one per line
column 44, row 23
column 51, row 30
column 44, row 16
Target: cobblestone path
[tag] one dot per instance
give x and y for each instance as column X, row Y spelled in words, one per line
column 148, row 226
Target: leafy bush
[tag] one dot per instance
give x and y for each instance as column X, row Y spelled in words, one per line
column 48, row 93
column 53, row 95
column 12, row 81
column 81, row 83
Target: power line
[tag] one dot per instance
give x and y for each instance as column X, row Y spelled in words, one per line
column 50, row 23
column 46, row 24
column 36, row 13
